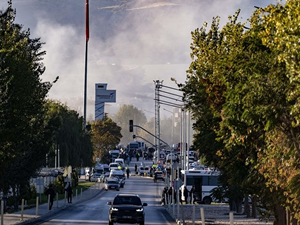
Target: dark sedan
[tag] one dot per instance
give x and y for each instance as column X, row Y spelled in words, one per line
column 126, row 208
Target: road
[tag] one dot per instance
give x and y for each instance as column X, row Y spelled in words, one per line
column 95, row 211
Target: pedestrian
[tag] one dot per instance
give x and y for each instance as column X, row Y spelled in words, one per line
column 52, row 194
column 186, row 194
column 69, row 192
column 135, row 168
column 192, row 194
column 170, row 195
column 127, row 172
column 180, row 196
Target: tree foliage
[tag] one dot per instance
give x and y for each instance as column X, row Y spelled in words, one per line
column 106, row 135
column 74, row 143
column 25, row 133
column 243, row 89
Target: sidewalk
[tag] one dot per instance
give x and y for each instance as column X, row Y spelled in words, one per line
column 29, row 215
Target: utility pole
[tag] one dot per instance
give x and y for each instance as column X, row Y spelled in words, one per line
column 158, row 86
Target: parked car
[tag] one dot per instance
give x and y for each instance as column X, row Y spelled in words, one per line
column 126, row 208
column 112, row 184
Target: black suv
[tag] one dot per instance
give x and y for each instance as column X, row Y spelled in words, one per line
column 126, row 208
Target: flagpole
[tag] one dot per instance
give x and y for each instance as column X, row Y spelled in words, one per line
column 86, row 57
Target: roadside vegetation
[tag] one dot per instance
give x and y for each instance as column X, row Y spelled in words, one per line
column 242, row 88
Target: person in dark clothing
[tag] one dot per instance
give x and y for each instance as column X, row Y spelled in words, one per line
column 127, row 172
column 52, row 193
column 135, row 168
column 180, row 198
column 70, row 193
column 186, row 194
column 192, row 195
column 170, row 194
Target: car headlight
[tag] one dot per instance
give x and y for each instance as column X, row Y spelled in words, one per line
column 140, row 210
column 114, row 209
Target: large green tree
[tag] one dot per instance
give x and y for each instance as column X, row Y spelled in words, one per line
column 25, row 133
column 74, row 143
column 243, row 89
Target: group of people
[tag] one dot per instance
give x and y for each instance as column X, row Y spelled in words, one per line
column 189, row 196
column 51, row 193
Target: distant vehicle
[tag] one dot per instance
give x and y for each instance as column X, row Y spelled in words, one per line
column 126, row 208
column 98, row 169
column 112, row 184
column 96, row 177
column 171, row 156
column 133, row 147
column 144, row 170
column 158, row 175
column 119, row 174
column 114, row 166
column 204, row 181
column 114, row 154
column 120, row 161
column 103, row 177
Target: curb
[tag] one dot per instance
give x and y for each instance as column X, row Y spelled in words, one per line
column 56, row 211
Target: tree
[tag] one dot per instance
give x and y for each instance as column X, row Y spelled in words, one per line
column 122, row 117
column 106, row 135
column 242, row 87
column 25, row 134
column 74, row 143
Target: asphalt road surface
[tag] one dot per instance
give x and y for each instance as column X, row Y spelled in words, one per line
column 95, row 211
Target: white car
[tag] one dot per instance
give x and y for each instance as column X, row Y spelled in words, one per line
column 112, row 184
column 144, row 169
column 96, row 177
column 114, row 166
column 171, row 156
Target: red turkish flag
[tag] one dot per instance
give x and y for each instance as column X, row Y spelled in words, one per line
column 87, row 32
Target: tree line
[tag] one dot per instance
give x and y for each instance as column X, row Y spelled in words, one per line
column 31, row 125
column 242, row 87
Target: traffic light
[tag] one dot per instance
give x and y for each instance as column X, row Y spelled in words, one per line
column 130, row 125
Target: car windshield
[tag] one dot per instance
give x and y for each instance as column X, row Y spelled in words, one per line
column 112, row 182
column 127, row 200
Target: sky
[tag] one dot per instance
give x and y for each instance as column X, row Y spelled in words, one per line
column 132, row 43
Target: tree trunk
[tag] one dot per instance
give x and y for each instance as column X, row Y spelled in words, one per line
column 254, row 209
column 246, row 206
column 280, row 218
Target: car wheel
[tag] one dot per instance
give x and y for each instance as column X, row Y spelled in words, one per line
column 207, row 200
column 110, row 223
column 118, row 189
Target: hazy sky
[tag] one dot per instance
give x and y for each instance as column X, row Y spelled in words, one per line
column 132, row 43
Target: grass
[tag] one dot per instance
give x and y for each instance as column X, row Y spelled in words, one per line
column 44, row 198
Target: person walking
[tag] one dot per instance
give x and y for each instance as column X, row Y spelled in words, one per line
column 127, row 172
column 192, row 194
column 52, row 194
column 180, row 197
column 70, row 193
column 186, row 194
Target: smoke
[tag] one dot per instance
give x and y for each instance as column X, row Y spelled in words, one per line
column 131, row 44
